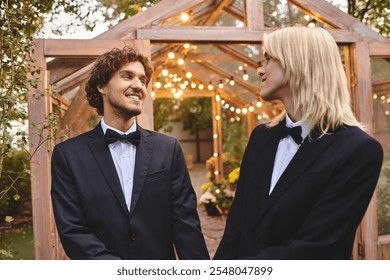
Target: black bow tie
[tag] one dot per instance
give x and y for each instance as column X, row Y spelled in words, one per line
column 294, row 132
column 112, row 136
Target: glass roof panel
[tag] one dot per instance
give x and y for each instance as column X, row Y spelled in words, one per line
column 228, row 20
column 281, row 13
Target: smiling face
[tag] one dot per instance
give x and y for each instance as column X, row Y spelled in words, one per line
column 125, row 92
column 273, row 82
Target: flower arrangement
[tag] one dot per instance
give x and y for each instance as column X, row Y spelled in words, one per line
column 217, row 197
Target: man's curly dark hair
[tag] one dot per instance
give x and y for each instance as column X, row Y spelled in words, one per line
column 105, row 67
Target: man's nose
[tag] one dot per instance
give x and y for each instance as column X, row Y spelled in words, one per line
column 260, row 71
column 136, row 83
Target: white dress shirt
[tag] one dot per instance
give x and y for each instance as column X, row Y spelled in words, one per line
column 286, row 150
column 123, row 155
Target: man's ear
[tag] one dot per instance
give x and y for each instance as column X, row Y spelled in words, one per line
column 101, row 89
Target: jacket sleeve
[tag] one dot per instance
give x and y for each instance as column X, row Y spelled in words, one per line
column 188, row 238
column 339, row 209
column 76, row 236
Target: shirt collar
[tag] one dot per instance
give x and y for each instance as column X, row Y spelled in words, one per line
column 303, row 123
column 106, row 126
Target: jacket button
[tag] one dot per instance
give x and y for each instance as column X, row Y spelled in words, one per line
column 133, row 236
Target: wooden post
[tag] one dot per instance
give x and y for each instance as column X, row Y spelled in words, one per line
column 254, row 15
column 364, row 112
column 217, row 137
column 39, row 107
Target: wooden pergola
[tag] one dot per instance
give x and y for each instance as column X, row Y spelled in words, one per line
column 160, row 30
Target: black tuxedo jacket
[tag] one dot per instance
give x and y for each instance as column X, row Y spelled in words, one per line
column 316, row 205
column 92, row 219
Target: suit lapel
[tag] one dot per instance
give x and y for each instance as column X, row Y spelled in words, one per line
column 142, row 161
column 104, row 160
column 303, row 159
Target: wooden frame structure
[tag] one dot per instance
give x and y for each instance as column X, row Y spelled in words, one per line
column 160, row 25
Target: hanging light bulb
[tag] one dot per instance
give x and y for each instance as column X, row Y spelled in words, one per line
column 193, row 85
column 210, row 86
column 180, row 61
column 251, row 109
column 244, row 110
column 259, row 104
column 217, row 98
column 245, row 76
column 164, row 72
column 240, row 67
column 157, row 84
column 171, row 55
column 220, row 85
column 184, row 17
column 186, row 46
column 201, row 86
column 189, row 75
column 231, row 82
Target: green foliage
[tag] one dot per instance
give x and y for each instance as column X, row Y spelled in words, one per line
column 374, row 13
column 234, row 135
column 15, row 191
column 163, row 109
column 195, row 114
column 117, row 10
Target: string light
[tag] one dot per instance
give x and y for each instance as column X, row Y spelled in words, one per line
column 201, row 86
column 186, row 46
column 171, row 55
column 184, row 17
column 220, row 85
column 180, row 61
column 210, row 86
column 245, row 76
column 189, row 75
column 231, row 82
column 164, row 72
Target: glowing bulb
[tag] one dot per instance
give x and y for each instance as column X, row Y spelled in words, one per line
column 312, row 24
column 165, row 72
column 201, row 86
column 157, row 84
column 245, row 76
column 210, row 86
column 251, row 109
column 220, row 85
column 215, row 136
column 375, row 96
column 244, row 110
column 217, row 98
column 259, row 104
column 180, row 61
column 217, row 117
column 186, row 46
column 153, row 94
column 231, row 82
column 189, row 75
column 171, row 55
column 215, row 154
column 193, row 85
column 184, row 17
column 232, row 109
column 238, row 110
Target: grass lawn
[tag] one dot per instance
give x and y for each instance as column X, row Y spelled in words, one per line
column 19, row 242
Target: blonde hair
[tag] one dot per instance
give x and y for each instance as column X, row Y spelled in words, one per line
column 315, row 74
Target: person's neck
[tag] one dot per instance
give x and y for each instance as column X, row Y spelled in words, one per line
column 122, row 125
column 294, row 115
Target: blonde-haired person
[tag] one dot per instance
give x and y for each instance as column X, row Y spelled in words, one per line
column 307, row 178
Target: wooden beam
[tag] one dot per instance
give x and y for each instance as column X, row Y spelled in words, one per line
column 45, row 240
column 236, row 13
column 86, row 48
column 365, row 113
column 186, row 94
column 254, row 14
column 379, row 49
column 218, row 9
column 200, row 33
column 62, row 68
column 225, row 35
column 217, row 139
column 326, row 13
column 159, row 12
